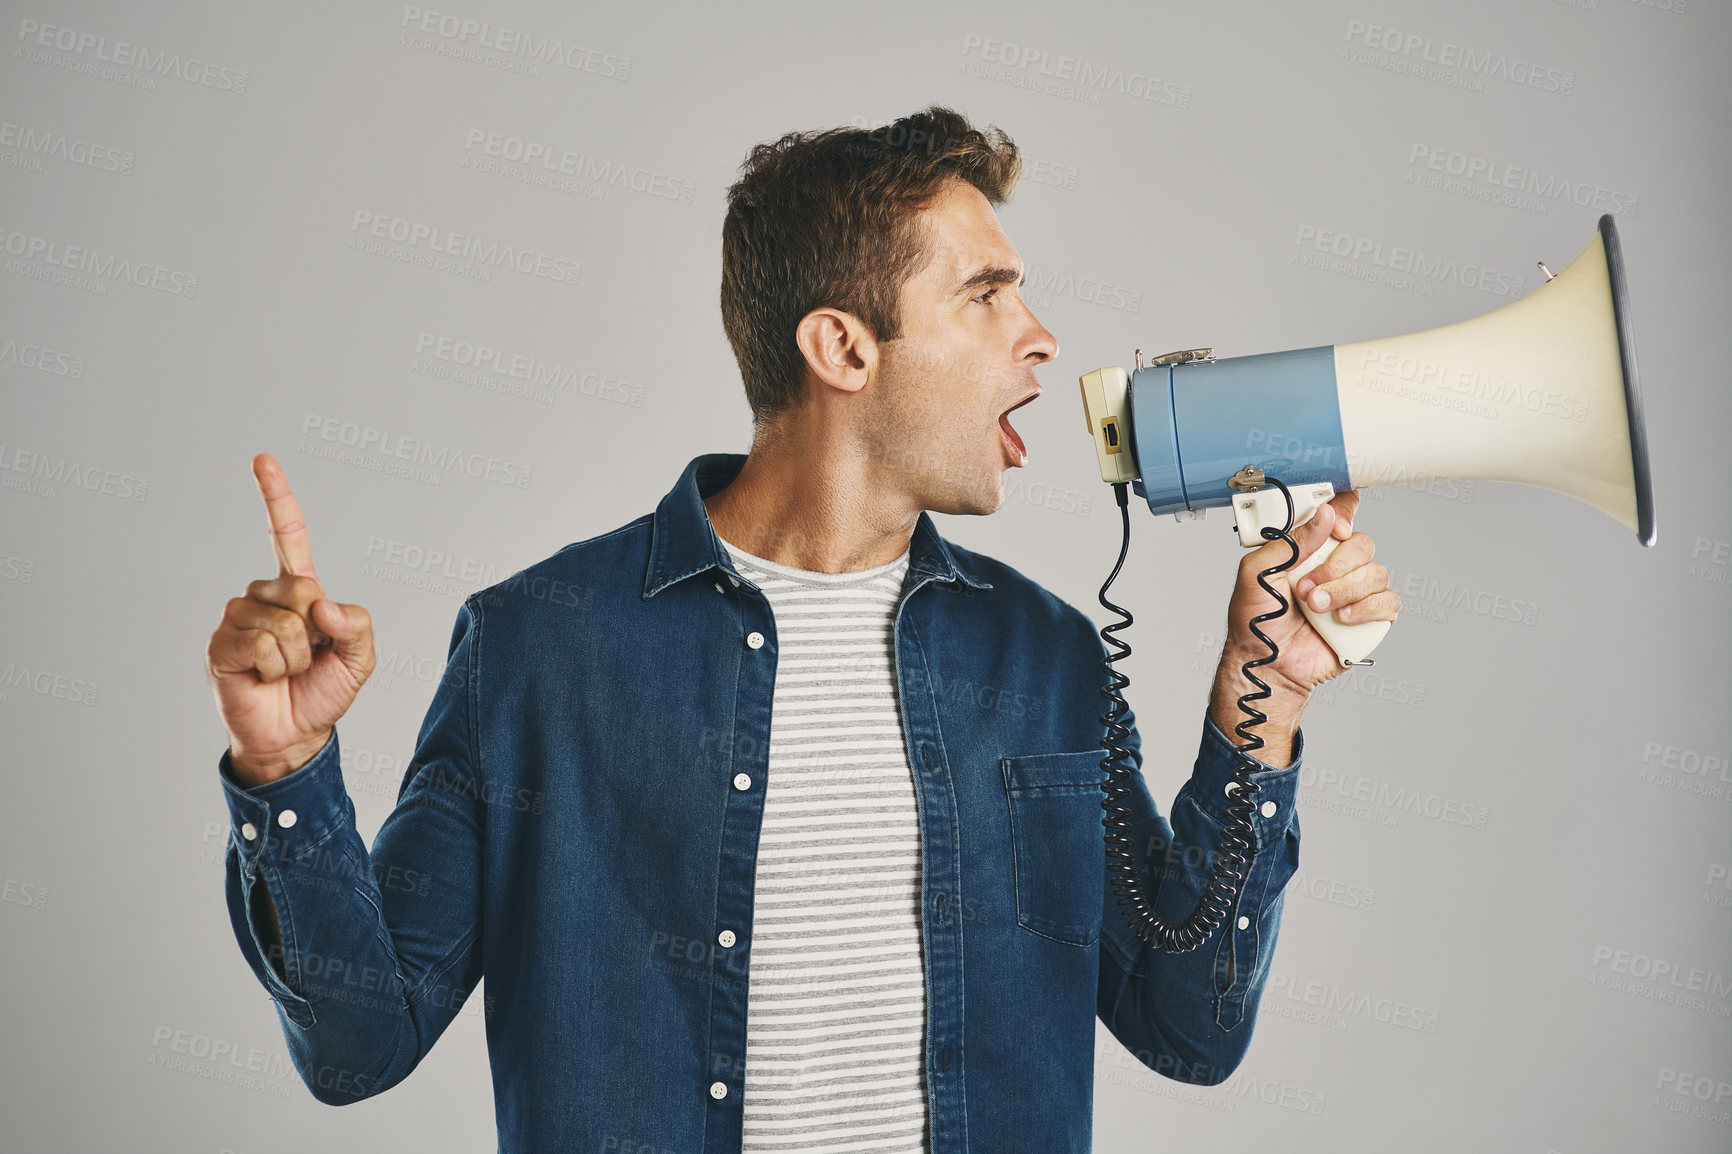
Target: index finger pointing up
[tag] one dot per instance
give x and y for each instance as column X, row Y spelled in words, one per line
column 288, row 530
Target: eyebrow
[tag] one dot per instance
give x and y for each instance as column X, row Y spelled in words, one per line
column 998, row 274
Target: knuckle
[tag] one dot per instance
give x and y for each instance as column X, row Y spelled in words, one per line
column 292, row 628
column 303, row 589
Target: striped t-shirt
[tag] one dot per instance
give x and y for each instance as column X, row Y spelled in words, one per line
column 836, row 997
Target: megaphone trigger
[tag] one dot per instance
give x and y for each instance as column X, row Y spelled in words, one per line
column 1266, row 507
column 1350, row 642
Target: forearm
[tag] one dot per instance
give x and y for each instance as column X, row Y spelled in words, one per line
column 305, row 910
column 1189, row 1016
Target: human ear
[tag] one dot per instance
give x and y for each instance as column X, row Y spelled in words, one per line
column 838, row 347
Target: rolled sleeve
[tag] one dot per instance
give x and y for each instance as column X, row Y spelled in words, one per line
column 283, row 836
column 1212, row 776
column 1189, row 1016
column 281, row 819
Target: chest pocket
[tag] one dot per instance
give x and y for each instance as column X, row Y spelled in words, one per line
column 1058, row 842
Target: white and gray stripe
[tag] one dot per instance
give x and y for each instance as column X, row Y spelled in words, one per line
column 836, row 998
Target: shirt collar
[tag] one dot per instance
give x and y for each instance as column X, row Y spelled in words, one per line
column 684, row 543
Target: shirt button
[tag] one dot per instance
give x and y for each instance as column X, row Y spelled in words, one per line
column 742, row 781
column 249, row 831
column 726, row 937
column 719, row 588
column 1268, row 809
column 718, row 1089
column 1230, row 786
column 756, row 641
column 287, row 818
column 1244, row 923
column 734, row 579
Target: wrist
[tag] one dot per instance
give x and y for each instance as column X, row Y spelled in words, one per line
column 1283, row 708
column 255, row 769
column 1285, row 693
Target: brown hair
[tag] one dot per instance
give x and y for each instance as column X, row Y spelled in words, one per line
column 831, row 219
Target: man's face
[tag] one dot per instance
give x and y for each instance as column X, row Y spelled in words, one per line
column 966, row 357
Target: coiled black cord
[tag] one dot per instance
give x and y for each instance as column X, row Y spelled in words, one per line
column 1232, row 860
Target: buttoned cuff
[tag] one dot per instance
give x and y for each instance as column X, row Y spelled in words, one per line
column 1217, row 757
column 284, row 819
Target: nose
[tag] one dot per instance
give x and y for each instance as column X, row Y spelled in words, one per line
column 1038, row 345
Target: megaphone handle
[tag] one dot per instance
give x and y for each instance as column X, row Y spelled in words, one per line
column 1350, row 642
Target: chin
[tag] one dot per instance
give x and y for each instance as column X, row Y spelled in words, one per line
column 975, row 503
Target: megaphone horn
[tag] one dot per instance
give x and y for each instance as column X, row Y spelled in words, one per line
column 1542, row 391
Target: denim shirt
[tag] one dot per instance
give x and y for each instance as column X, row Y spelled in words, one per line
column 579, row 824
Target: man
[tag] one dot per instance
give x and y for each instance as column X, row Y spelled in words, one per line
column 772, row 819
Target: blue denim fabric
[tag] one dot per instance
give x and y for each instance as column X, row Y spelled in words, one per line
column 579, row 822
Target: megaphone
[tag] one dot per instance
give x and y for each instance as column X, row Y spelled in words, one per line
column 1542, row 391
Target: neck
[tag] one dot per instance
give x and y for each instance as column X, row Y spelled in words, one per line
column 813, row 498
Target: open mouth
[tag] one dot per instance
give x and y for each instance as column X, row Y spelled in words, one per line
column 1014, row 448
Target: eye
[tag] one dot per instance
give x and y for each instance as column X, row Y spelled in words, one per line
column 987, row 295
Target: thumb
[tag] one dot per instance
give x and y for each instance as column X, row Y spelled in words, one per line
column 1311, row 536
column 1307, row 537
column 351, row 632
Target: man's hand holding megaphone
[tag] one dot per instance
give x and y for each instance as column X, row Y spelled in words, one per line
column 1357, row 590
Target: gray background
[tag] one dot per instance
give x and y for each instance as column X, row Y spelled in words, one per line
column 1437, row 986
